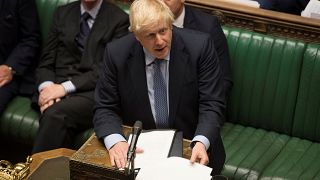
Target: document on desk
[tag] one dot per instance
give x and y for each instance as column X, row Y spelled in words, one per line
column 174, row 168
column 250, row 3
column 312, row 10
column 156, row 145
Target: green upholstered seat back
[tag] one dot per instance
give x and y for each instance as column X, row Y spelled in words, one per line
column 307, row 114
column 266, row 74
column 45, row 10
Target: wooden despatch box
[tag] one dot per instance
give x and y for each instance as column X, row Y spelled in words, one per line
column 92, row 161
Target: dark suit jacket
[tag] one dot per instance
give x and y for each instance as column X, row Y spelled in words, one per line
column 196, row 97
column 62, row 60
column 287, row 6
column 198, row 20
column 20, row 40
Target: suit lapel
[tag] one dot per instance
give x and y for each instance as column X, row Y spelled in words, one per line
column 99, row 28
column 178, row 65
column 136, row 65
column 72, row 22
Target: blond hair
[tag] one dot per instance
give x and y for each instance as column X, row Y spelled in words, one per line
column 144, row 14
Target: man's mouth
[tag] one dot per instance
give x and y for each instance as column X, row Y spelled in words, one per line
column 160, row 49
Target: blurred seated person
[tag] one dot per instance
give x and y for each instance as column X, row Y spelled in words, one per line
column 19, row 47
column 68, row 69
column 286, row 6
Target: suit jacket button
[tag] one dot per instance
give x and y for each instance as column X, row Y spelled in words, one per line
column 70, row 67
column 69, row 78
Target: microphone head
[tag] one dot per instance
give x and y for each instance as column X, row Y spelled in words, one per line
column 137, row 128
column 138, row 124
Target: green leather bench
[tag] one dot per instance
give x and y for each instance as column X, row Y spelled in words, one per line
column 273, row 113
column 273, row 118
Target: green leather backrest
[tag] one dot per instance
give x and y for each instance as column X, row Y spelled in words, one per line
column 307, row 114
column 45, row 10
column 266, row 74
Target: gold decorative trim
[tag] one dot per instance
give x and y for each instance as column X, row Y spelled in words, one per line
column 18, row 171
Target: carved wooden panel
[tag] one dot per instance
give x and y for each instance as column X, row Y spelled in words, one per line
column 262, row 21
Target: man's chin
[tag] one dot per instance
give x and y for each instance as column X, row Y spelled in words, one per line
column 161, row 55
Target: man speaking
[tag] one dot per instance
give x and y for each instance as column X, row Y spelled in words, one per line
column 165, row 77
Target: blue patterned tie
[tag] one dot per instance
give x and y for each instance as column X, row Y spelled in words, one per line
column 160, row 96
column 82, row 36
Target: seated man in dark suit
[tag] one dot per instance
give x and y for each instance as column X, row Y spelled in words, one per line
column 19, row 48
column 166, row 77
column 286, row 6
column 68, row 69
column 191, row 18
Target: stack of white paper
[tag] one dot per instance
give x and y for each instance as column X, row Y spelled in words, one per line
column 155, row 164
column 174, row 168
column 312, row 10
column 250, row 3
column 156, row 146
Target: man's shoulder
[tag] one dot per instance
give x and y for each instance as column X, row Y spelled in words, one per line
column 191, row 40
column 196, row 19
column 112, row 6
column 125, row 41
column 190, row 34
column 200, row 15
column 66, row 8
column 120, row 49
column 70, row 5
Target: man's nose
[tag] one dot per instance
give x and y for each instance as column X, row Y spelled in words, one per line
column 159, row 39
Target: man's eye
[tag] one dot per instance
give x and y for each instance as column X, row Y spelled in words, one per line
column 149, row 35
column 163, row 31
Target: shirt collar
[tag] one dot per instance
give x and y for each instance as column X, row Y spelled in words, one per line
column 180, row 19
column 149, row 58
column 94, row 11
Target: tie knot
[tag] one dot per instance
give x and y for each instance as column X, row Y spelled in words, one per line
column 158, row 61
column 85, row 16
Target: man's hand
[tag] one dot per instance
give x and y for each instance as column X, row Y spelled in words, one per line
column 45, row 106
column 118, row 154
column 199, row 154
column 51, row 93
column 5, row 75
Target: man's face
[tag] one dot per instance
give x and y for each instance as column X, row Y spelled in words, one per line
column 157, row 39
column 175, row 6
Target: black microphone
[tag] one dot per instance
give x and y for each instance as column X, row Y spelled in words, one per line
column 136, row 130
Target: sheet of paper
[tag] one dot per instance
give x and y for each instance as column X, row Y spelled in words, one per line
column 156, row 146
column 174, row 168
column 312, row 10
column 250, row 3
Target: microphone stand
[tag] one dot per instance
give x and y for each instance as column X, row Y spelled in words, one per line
column 136, row 130
column 130, row 165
